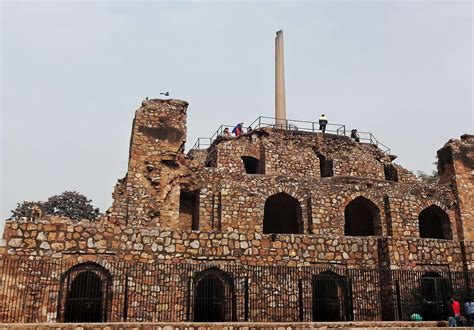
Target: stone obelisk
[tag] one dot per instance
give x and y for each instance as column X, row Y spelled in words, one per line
column 280, row 102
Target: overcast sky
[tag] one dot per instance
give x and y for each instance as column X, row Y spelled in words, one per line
column 74, row 73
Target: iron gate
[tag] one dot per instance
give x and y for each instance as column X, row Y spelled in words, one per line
column 330, row 297
column 84, row 294
column 435, row 291
column 214, row 299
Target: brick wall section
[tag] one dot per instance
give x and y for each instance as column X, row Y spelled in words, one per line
column 61, row 238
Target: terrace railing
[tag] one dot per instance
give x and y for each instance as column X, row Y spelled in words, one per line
column 292, row 125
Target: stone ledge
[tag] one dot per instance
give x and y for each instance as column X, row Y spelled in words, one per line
column 231, row 325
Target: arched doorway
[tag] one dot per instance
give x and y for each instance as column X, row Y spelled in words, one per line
column 362, row 218
column 214, row 297
column 434, row 223
column 330, row 297
column 282, row 215
column 85, row 294
column 435, row 290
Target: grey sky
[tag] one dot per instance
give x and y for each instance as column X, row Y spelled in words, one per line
column 74, row 73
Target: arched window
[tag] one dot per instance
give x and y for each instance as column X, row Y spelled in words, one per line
column 251, row 165
column 214, row 297
column 434, row 223
column 282, row 215
column 84, row 294
column 330, row 297
column 362, row 218
column 435, row 291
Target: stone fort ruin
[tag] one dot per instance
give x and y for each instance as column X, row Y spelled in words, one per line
column 276, row 225
column 282, row 224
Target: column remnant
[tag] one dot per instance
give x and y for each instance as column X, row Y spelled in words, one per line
column 280, row 102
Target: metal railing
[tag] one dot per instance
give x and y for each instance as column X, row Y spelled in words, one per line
column 290, row 125
column 50, row 290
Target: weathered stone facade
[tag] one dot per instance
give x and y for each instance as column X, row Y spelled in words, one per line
column 336, row 203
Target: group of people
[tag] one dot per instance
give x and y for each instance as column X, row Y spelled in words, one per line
column 323, row 121
column 452, row 309
column 237, row 130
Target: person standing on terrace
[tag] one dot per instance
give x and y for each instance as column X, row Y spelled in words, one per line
column 323, row 121
column 238, row 129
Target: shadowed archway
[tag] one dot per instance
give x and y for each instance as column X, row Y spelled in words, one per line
column 330, row 297
column 85, row 294
column 282, row 215
column 215, row 299
column 362, row 218
column 434, row 223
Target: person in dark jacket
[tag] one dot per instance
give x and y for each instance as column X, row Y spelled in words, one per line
column 323, row 121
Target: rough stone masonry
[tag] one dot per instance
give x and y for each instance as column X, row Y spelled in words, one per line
column 272, row 197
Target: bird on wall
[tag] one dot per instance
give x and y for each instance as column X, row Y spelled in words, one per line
column 165, row 94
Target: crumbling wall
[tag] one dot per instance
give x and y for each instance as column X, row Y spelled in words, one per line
column 456, row 166
column 149, row 193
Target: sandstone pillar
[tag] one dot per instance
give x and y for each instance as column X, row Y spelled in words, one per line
column 280, row 102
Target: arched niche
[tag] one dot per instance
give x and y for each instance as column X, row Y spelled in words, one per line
column 433, row 222
column 282, row 215
column 362, row 218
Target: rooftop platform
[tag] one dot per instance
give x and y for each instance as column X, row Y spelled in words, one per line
column 292, row 125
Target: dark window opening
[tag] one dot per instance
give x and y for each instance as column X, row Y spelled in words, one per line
column 362, row 218
column 435, row 292
column 214, row 297
column 282, row 215
column 85, row 294
column 189, row 208
column 391, row 173
column 251, row 165
column 434, row 223
column 325, row 166
column 445, row 164
column 330, row 298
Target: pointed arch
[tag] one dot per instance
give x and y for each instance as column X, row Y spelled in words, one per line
column 330, row 297
column 435, row 291
column 251, row 164
column 362, row 218
column 434, row 222
column 85, row 294
column 214, row 298
column 282, row 215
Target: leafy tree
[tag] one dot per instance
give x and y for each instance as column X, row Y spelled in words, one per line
column 428, row 178
column 69, row 204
